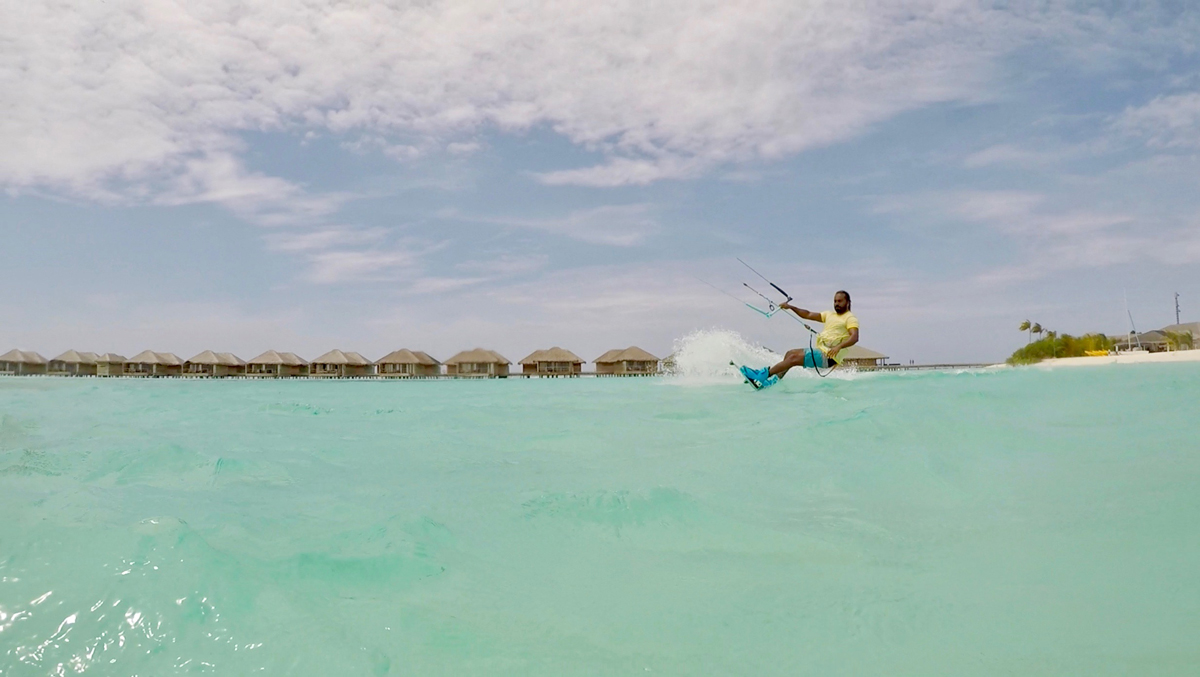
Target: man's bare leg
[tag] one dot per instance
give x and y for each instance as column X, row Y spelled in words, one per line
column 792, row 358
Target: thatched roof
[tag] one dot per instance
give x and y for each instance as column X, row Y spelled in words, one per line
column 608, row 356
column 150, row 357
column 1193, row 327
column 339, row 357
column 144, row 357
column 630, row 354
column 275, row 357
column 637, row 354
column 333, row 357
column 857, row 352
column 224, row 359
column 406, row 356
column 1152, row 337
column 110, row 358
column 554, row 354
column 206, row 357
column 269, row 357
column 478, row 356
column 22, row 356
column 76, row 357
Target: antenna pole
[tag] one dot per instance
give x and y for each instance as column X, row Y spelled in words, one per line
column 1176, row 307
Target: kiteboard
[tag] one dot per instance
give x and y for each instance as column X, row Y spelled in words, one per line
column 748, row 374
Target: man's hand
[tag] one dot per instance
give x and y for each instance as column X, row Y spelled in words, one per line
column 815, row 317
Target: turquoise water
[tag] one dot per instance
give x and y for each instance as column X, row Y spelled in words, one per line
column 1003, row 522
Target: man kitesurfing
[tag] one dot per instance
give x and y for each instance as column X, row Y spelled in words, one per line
column 840, row 332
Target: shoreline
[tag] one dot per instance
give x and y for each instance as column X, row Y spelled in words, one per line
column 1123, row 358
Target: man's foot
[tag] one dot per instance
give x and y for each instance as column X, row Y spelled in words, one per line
column 763, row 376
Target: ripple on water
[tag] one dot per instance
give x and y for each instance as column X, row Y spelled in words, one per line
column 901, row 524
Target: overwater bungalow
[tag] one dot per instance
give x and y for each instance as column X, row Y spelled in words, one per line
column 632, row 361
column 858, row 356
column 73, row 363
column 405, row 363
column 110, row 364
column 238, row 368
column 552, row 362
column 149, row 363
column 274, row 364
column 214, row 365
column 338, row 364
column 478, row 362
column 22, row 362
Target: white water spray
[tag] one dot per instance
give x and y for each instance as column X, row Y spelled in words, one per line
column 703, row 356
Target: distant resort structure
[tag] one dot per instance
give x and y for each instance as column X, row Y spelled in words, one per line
column 1157, row 340
column 399, row 364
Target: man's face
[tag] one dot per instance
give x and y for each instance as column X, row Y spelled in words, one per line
column 840, row 303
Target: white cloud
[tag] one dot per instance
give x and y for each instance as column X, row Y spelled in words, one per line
column 1027, row 215
column 623, row 171
column 504, row 264
column 1054, row 237
column 341, row 266
column 1007, row 208
column 1166, row 122
column 109, row 98
column 613, row 225
column 440, row 285
column 265, row 200
column 325, row 238
column 478, row 272
column 349, row 254
column 1008, row 154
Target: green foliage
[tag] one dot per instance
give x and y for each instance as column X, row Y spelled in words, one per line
column 1060, row 345
column 1180, row 340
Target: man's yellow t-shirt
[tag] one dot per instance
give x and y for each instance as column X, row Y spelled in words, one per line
column 837, row 329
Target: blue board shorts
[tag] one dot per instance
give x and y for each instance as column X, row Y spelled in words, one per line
column 814, row 359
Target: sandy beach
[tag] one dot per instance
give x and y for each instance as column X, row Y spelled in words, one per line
column 1124, row 358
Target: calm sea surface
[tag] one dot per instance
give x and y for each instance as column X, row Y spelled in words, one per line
column 1013, row 521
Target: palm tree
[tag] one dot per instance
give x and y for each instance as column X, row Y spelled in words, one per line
column 1180, row 340
column 1036, row 329
column 1025, row 326
column 1053, row 346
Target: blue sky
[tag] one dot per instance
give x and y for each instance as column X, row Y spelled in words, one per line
column 440, row 176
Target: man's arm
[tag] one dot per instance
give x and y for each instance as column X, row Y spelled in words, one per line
column 834, row 350
column 806, row 314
